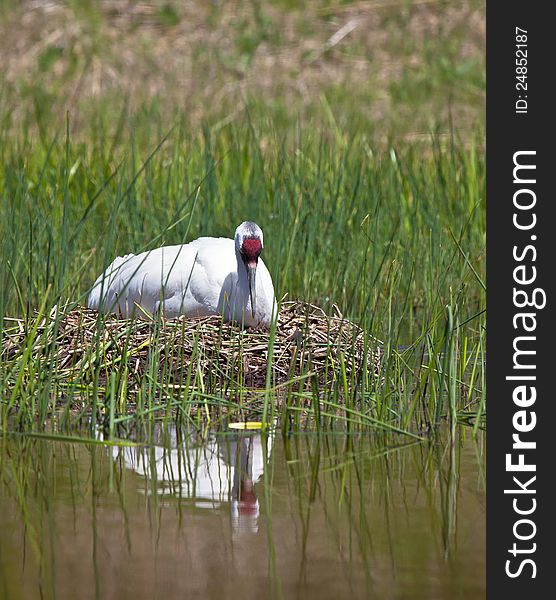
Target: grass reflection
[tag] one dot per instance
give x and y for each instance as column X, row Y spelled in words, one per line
column 268, row 513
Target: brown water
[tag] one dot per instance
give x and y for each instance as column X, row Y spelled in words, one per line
column 328, row 516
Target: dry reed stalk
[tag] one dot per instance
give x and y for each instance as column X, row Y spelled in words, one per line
column 307, row 343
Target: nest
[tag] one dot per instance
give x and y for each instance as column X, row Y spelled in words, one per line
column 309, row 346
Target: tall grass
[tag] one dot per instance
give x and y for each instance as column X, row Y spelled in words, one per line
column 393, row 236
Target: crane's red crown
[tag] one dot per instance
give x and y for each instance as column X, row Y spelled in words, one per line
column 251, row 247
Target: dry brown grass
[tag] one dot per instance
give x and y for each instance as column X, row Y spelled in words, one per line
column 205, row 59
column 308, row 343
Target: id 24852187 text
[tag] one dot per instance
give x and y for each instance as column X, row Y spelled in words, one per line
column 521, row 85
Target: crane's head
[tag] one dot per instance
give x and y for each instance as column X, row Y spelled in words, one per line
column 249, row 244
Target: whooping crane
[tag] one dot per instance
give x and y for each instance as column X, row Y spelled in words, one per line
column 208, row 276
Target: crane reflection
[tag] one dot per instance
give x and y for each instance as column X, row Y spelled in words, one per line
column 219, row 470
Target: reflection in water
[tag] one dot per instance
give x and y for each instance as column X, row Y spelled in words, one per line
column 319, row 516
column 221, row 469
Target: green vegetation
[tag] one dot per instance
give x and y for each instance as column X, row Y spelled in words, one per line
column 395, row 239
column 352, row 133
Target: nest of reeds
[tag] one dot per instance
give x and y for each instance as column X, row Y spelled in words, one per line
column 309, row 347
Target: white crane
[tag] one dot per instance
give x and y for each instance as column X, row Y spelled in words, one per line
column 208, row 276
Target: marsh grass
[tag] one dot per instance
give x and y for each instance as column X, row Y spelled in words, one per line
column 395, row 238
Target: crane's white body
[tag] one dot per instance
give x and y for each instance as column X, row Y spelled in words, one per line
column 202, row 278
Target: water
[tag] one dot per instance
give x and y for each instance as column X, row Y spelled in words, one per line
column 242, row 516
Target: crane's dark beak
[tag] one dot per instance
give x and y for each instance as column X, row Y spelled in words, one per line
column 251, row 280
